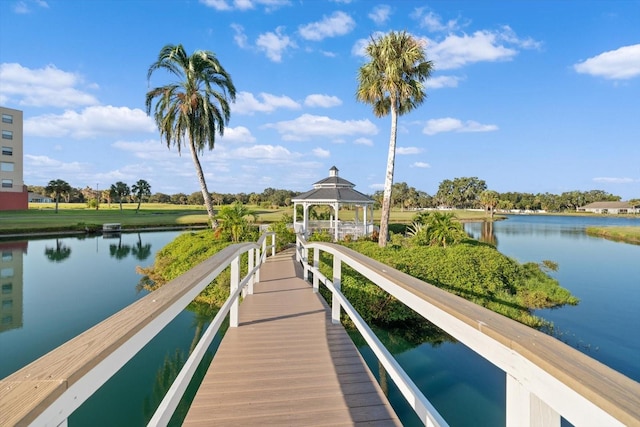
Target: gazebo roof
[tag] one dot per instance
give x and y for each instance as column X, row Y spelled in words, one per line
column 333, row 189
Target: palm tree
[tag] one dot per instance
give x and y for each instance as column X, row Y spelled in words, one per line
column 57, row 188
column 120, row 190
column 191, row 111
column 489, row 199
column 234, row 220
column 141, row 189
column 393, row 83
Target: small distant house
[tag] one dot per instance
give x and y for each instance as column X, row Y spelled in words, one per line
column 39, row 198
column 612, row 208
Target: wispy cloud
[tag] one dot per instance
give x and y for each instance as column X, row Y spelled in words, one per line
column 308, row 126
column 620, row 64
column 614, row 180
column 274, row 44
column 324, row 101
column 90, row 122
column 24, row 7
column 43, row 87
column 227, row 5
column 449, row 124
column 338, row 24
column 247, row 103
column 322, row 153
column 421, row 165
column 408, row 150
column 380, row 14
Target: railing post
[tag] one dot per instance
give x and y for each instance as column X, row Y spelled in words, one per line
column 235, row 280
column 298, row 244
column 316, row 266
column 337, row 278
column 250, row 265
column 525, row 409
column 273, row 244
column 259, row 264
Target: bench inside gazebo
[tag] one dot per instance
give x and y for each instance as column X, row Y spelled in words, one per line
column 335, row 192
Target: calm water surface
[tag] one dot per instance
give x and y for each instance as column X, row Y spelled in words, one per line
column 61, row 287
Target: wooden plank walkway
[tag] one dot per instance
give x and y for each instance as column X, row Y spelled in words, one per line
column 287, row 364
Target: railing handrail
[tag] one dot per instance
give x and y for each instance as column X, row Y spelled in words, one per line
column 545, row 377
column 48, row 390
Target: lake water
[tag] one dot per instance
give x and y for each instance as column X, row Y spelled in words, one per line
column 61, row 287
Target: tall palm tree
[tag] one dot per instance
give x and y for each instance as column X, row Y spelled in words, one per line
column 56, row 188
column 141, row 189
column 120, row 190
column 192, row 110
column 393, row 83
column 489, row 199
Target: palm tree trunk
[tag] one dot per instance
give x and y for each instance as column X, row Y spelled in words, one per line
column 203, row 183
column 388, row 181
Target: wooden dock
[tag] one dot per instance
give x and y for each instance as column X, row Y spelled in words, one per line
column 287, row 364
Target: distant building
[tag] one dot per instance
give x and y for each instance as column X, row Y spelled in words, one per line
column 613, row 208
column 13, row 192
column 39, row 198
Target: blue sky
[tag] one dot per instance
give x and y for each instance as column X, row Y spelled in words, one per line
column 530, row 96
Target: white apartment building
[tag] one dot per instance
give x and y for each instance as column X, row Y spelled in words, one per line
column 13, row 192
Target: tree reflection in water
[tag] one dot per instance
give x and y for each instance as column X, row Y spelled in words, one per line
column 59, row 253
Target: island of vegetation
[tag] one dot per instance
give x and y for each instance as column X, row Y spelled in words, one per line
column 619, row 234
column 434, row 248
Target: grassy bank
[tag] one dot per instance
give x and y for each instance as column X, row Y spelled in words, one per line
column 41, row 217
column 620, row 234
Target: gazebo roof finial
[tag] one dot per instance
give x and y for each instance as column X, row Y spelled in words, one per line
column 333, row 171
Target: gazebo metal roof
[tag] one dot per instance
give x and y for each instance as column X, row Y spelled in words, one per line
column 333, row 189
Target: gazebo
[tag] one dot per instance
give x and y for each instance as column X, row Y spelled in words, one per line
column 334, row 191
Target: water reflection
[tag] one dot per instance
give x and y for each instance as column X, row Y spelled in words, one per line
column 11, row 292
column 58, row 253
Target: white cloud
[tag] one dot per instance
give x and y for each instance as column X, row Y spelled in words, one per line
column 433, row 22
column 247, row 103
column 324, row 101
column 90, row 122
column 42, row 87
column 364, row 141
column 308, row 126
column 238, row 134
column 421, row 165
column 240, row 37
column 612, row 180
column 408, row 150
column 323, row 154
column 264, row 152
column 456, row 51
column 622, row 63
column 442, row 81
column 274, row 44
column 337, row 24
column 449, row 124
column 226, row 5
column 380, row 14
column 22, row 7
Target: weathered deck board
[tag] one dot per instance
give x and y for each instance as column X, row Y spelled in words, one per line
column 287, row 364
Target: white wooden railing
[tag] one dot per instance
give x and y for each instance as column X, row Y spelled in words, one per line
column 47, row 391
column 546, row 380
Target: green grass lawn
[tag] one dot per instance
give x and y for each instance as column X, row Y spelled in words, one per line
column 626, row 234
column 41, row 217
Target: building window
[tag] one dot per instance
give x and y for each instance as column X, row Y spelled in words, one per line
column 6, row 166
column 7, row 151
column 7, row 134
column 7, row 255
column 7, row 118
column 7, row 304
column 7, row 183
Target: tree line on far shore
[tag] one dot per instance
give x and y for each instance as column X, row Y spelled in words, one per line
column 462, row 193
